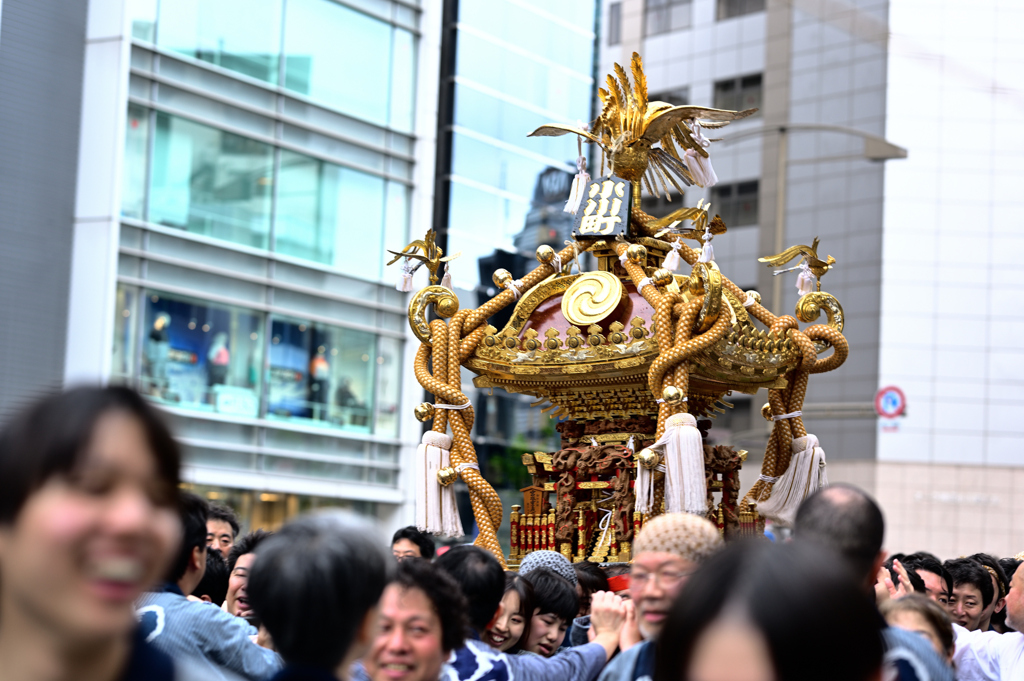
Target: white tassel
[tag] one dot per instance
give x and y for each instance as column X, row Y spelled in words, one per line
column 446, row 280
column 451, row 523
column 405, row 281
column 707, row 253
column 672, row 259
column 700, row 167
column 579, row 186
column 805, row 475
column 431, row 456
column 806, row 282
column 644, row 490
column 686, row 488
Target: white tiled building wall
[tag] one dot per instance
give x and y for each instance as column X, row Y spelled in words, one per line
column 952, row 327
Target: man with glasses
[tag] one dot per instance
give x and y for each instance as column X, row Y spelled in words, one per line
column 666, row 551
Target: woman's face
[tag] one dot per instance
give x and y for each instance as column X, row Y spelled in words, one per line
column 915, row 622
column 507, row 629
column 408, row 644
column 731, row 650
column 85, row 545
column 546, row 633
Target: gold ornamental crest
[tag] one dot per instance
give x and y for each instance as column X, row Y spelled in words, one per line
column 591, row 298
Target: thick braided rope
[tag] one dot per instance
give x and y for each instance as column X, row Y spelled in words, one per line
column 840, row 347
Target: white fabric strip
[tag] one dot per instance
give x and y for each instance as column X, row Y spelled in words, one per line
column 453, row 406
column 793, row 415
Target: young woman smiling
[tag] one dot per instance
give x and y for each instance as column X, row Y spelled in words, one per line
column 513, row 624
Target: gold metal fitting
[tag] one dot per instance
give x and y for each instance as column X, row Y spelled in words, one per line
column 696, row 284
column 766, row 412
column 423, row 412
column 648, row 458
column 501, row 278
column 662, row 277
column 447, row 476
column 545, row 254
column 636, row 254
column 672, row 395
column 755, row 295
column 447, row 307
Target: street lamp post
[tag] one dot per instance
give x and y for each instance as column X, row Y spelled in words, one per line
column 875, row 149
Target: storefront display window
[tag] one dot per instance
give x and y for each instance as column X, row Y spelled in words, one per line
column 201, row 356
column 322, row 375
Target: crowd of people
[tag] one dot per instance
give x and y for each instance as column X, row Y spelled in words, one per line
column 109, row 571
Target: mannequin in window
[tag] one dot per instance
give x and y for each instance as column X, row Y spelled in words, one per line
column 217, row 360
column 319, row 378
column 157, row 349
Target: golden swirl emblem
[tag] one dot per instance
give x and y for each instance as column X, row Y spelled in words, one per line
column 591, row 298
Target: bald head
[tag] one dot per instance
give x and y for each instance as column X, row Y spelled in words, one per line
column 846, row 520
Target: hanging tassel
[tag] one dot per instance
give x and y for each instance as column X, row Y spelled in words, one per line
column 805, row 475
column 707, row 253
column 451, row 523
column 431, row 456
column 446, row 280
column 582, row 179
column 644, row 490
column 405, row 281
column 672, row 259
column 686, row 488
column 806, row 282
column 699, row 166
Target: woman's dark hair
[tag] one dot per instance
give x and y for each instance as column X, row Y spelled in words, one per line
column 590, row 577
column 481, row 578
column 522, row 586
column 246, row 544
column 1009, row 566
column 444, row 594
column 552, row 593
column 313, row 582
column 967, row 571
column 49, row 437
column 933, row 613
column 782, row 589
column 423, row 541
column 214, row 583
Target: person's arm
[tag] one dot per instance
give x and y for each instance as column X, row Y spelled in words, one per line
column 226, row 642
column 977, row 654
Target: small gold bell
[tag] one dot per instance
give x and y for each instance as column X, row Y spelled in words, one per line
column 648, row 458
column 636, row 254
column 447, row 476
column 672, row 395
column 662, row 277
column 501, row 278
column 545, row 254
column 766, row 411
column 424, row 412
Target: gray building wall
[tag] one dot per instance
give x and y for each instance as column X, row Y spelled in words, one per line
column 41, row 48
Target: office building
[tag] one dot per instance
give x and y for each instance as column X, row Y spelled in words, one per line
column 927, row 247
column 201, row 211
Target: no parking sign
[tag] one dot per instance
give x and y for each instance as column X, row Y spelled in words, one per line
column 890, row 402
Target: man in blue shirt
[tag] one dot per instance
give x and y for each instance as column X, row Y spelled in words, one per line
column 212, row 642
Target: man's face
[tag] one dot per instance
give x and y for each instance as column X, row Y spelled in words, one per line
column 404, row 548
column 219, row 535
column 655, row 580
column 238, row 599
column 408, row 644
column 1015, row 601
column 965, row 607
column 935, row 587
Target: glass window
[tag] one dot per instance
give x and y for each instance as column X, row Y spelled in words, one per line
column 330, row 214
column 665, row 16
column 143, row 18
column 125, row 323
column 389, row 386
column 735, row 8
column 615, row 23
column 736, row 203
column 202, row 356
column 338, row 56
column 403, row 81
column 322, row 375
column 739, row 93
column 210, row 182
column 239, row 35
column 679, row 96
column 133, row 182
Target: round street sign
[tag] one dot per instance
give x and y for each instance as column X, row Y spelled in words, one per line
column 890, row 402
